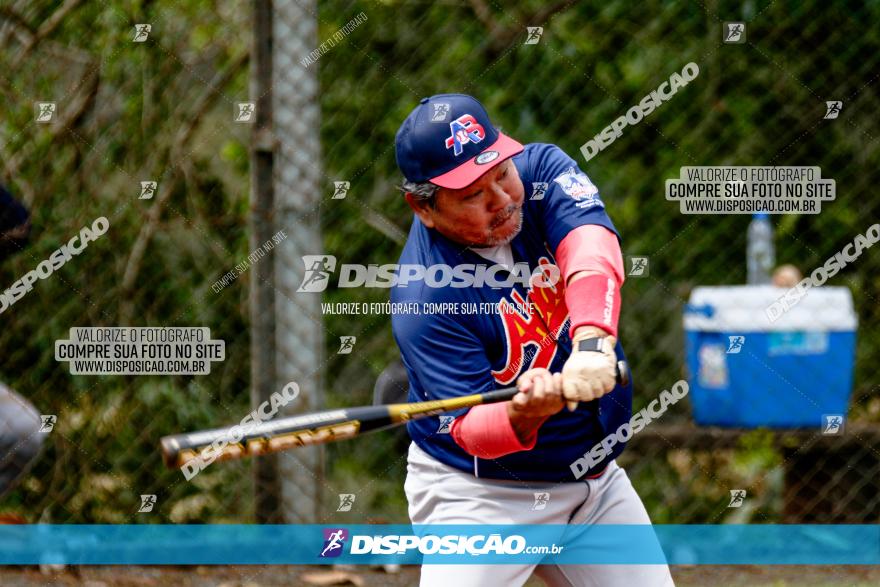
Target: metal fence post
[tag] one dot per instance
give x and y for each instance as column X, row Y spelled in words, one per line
column 262, row 295
column 298, row 331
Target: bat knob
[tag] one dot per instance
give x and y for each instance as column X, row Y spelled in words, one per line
column 170, row 451
column 622, row 373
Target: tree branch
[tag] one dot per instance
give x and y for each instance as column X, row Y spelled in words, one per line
column 71, row 115
column 47, row 28
column 173, row 154
column 500, row 36
column 484, row 15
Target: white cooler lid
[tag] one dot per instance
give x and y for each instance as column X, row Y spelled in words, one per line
column 743, row 308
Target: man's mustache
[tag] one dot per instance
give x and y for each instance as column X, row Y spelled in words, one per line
column 505, row 215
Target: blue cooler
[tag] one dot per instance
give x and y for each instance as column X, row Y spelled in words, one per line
column 745, row 371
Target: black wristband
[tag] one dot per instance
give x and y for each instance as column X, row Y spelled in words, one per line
column 594, row 344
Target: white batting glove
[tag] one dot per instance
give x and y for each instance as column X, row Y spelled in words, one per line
column 588, row 375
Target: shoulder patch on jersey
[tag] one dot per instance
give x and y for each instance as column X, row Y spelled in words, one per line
column 576, row 184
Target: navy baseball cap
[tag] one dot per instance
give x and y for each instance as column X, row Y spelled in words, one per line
column 449, row 140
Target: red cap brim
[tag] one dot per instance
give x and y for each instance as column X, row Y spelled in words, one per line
column 470, row 171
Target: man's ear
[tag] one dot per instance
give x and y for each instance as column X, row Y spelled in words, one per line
column 421, row 209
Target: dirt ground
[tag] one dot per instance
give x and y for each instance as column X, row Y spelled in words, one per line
column 295, row 576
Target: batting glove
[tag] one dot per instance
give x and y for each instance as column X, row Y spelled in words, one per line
column 591, row 370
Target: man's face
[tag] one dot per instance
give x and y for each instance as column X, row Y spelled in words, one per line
column 486, row 213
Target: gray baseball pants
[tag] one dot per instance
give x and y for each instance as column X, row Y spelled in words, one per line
column 20, row 438
column 439, row 494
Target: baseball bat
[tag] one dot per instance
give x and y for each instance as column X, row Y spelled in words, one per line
column 323, row 427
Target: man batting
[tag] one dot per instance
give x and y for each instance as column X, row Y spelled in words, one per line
column 481, row 198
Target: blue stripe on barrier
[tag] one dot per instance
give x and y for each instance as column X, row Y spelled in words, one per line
column 472, row 544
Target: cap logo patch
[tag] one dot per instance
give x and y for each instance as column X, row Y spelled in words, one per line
column 465, row 129
column 486, row 157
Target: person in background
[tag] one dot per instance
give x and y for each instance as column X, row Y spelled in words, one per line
column 787, row 276
column 20, row 424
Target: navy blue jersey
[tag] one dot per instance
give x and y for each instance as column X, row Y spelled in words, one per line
column 462, row 352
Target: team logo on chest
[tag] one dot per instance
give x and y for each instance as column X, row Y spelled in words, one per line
column 532, row 325
column 465, row 129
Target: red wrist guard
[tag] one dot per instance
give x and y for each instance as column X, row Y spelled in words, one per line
column 593, row 300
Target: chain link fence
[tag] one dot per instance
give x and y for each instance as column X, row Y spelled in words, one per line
column 164, row 110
